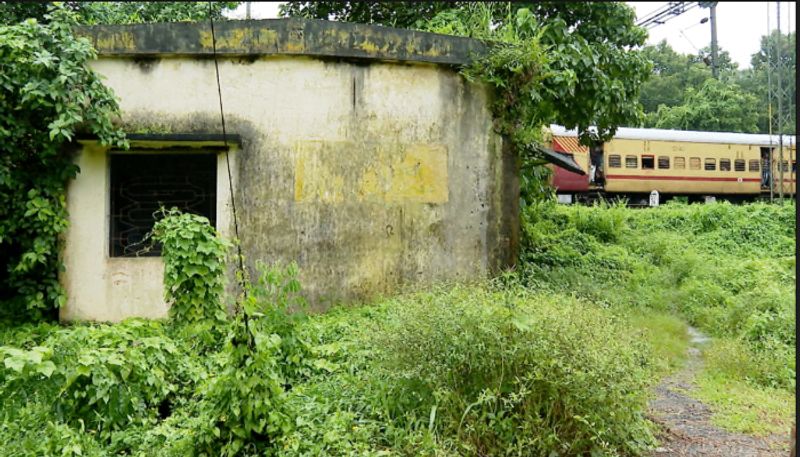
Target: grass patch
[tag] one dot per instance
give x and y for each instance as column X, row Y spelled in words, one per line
column 666, row 335
column 741, row 407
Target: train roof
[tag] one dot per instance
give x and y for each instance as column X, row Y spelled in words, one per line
column 627, row 133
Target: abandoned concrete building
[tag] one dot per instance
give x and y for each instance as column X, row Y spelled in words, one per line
column 357, row 151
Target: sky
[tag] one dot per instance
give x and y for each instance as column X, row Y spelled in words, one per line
column 740, row 25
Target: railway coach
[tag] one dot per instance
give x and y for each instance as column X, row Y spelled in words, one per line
column 730, row 166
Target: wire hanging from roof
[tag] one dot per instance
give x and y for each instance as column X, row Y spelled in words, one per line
column 242, row 272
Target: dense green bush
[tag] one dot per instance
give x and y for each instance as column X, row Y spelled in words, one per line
column 515, row 373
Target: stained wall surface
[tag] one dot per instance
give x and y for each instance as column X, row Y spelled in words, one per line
column 372, row 175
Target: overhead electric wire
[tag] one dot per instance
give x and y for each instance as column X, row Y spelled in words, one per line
column 665, row 13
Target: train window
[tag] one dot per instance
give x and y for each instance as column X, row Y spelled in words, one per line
column 755, row 164
column 680, row 163
column 785, row 166
column 724, row 164
column 631, row 161
column 711, row 164
column 614, row 161
column 648, row 162
column 794, row 166
column 663, row 162
column 738, row 165
column 694, row 163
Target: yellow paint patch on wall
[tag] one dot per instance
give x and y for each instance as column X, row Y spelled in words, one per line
column 420, row 175
column 333, row 172
column 315, row 178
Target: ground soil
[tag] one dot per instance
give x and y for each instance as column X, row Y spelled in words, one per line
column 685, row 422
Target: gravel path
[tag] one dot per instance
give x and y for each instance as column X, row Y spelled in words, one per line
column 686, row 428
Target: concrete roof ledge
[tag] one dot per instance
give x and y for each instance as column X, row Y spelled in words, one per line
column 292, row 36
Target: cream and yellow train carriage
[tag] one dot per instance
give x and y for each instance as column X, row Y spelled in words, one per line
column 673, row 162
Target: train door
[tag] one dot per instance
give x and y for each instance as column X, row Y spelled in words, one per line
column 597, row 172
column 766, row 167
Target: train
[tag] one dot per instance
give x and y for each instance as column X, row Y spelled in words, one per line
column 699, row 166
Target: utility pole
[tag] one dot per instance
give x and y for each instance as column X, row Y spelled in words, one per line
column 712, row 6
column 247, row 10
column 714, row 61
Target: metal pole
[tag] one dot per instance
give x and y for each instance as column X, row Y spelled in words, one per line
column 770, row 181
column 247, row 10
column 780, row 98
column 714, row 64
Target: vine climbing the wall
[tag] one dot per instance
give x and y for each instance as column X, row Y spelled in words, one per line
column 47, row 95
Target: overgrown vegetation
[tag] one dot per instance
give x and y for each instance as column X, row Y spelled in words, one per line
column 554, row 359
column 729, row 270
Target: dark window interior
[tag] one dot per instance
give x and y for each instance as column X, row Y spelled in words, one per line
column 142, row 183
column 738, row 165
column 648, row 162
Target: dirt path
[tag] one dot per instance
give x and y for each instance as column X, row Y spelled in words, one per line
column 686, row 422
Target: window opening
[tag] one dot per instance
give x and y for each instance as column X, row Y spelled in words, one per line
column 754, row 165
column 142, row 183
column 711, row 164
column 739, row 165
column 631, row 162
column 694, row 163
column 724, row 164
column 680, row 163
column 614, row 161
column 648, row 162
column 663, row 162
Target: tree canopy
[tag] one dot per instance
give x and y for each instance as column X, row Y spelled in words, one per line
column 717, row 106
column 117, row 12
column 678, row 81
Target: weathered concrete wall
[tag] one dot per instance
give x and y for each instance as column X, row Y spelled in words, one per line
column 371, row 175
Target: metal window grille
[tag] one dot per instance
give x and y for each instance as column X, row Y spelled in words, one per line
column 754, row 165
column 663, row 162
column 724, row 164
column 680, row 163
column 614, row 161
column 694, row 163
column 711, row 164
column 143, row 183
column 631, row 162
column 738, row 165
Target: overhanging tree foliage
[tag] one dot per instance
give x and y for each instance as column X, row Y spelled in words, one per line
column 570, row 64
column 47, row 94
column 91, row 13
